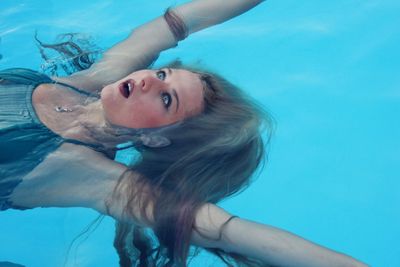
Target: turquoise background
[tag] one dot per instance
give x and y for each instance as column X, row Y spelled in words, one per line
column 328, row 71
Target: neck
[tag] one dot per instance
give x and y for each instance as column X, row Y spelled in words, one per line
column 89, row 125
column 91, row 118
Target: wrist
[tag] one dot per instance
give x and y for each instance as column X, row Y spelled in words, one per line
column 208, row 230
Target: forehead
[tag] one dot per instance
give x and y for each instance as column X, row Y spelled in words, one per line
column 190, row 91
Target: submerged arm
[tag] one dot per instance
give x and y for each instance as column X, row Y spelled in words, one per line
column 76, row 176
column 262, row 242
column 145, row 43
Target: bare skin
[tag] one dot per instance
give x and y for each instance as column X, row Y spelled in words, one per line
column 157, row 98
column 266, row 243
column 143, row 99
column 90, row 183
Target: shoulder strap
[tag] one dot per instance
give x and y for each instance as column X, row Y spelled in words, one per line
column 31, row 77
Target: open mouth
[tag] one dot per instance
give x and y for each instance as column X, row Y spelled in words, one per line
column 126, row 88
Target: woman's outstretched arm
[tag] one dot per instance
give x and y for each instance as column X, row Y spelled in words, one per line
column 145, row 43
column 91, row 184
column 268, row 244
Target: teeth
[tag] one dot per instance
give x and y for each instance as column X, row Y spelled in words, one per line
column 129, row 88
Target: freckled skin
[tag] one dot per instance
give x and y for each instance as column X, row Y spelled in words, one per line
column 145, row 108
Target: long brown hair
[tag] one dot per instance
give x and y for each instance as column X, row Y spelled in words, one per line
column 212, row 156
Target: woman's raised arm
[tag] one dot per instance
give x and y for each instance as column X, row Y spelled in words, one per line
column 145, row 43
column 268, row 244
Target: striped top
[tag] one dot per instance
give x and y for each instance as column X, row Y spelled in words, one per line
column 24, row 140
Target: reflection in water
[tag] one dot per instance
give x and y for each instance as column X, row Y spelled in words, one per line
column 1, row 56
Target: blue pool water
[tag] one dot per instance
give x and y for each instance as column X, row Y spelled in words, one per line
column 328, row 71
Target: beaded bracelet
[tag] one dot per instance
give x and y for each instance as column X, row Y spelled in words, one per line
column 176, row 25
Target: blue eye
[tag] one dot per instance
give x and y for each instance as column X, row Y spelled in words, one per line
column 166, row 100
column 161, row 75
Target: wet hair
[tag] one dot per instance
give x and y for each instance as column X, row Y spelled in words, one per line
column 212, row 155
column 71, row 52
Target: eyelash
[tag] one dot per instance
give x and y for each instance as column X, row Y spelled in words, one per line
column 169, row 99
column 164, row 96
column 163, row 73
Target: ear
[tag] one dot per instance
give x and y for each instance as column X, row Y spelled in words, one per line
column 154, row 141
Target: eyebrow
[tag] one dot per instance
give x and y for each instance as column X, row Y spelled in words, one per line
column 177, row 99
column 174, row 92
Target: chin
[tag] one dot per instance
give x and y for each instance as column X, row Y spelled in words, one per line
column 106, row 100
column 105, row 91
column 107, row 96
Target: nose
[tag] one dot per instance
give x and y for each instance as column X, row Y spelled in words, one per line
column 148, row 83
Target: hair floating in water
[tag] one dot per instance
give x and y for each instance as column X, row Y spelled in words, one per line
column 70, row 53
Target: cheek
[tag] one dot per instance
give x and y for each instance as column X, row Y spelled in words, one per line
column 148, row 116
column 143, row 115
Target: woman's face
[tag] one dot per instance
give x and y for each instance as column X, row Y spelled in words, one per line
column 153, row 98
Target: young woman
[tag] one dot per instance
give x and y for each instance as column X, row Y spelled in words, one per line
column 199, row 139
